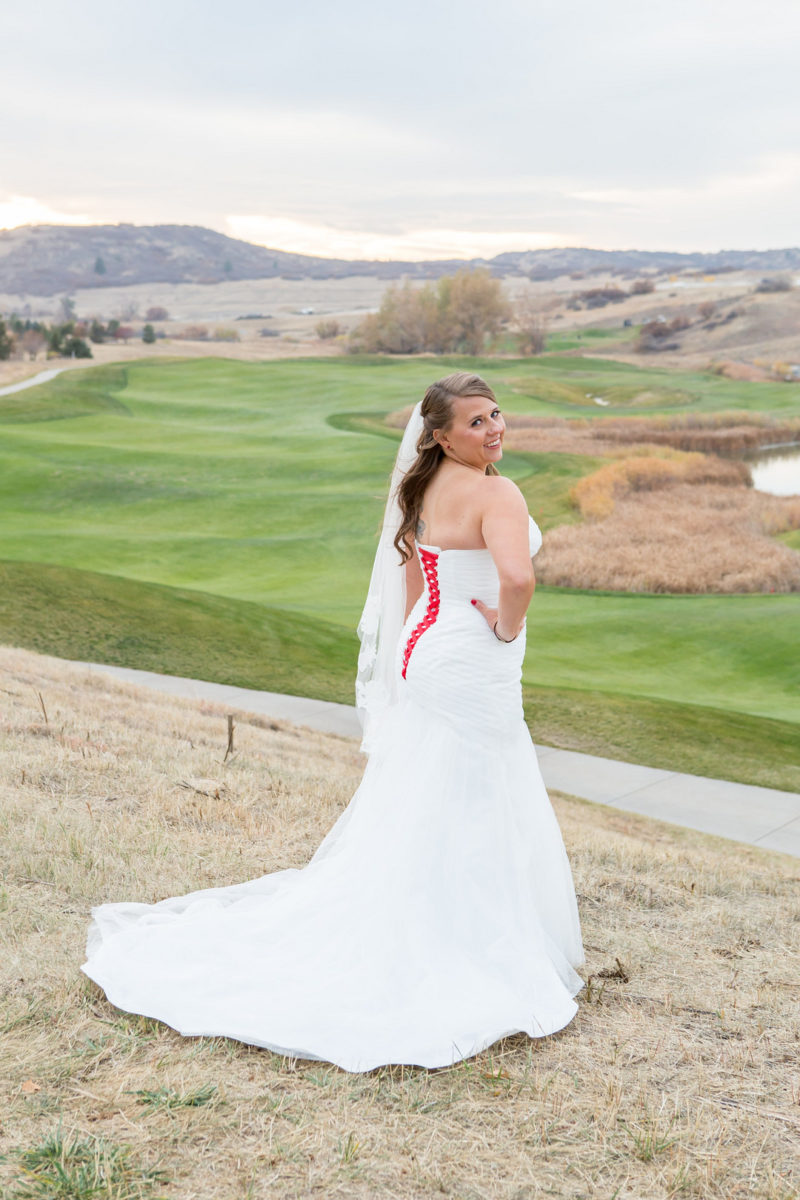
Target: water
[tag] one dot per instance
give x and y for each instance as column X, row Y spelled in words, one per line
column 777, row 471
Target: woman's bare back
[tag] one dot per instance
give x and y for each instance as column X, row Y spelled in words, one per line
column 452, row 509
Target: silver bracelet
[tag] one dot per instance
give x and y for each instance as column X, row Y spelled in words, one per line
column 506, row 640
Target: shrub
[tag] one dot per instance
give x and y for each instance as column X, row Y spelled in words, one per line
column 76, row 347
column 775, row 283
column 599, row 297
column 224, row 334
column 655, row 335
column 641, row 287
column 327, row 329
column 194, row 333
column 148, row 335
column 156, row 313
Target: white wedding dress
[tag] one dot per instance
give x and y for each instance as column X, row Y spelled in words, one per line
column 436, row 916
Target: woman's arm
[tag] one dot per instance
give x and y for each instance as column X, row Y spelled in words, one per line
column 505, row 527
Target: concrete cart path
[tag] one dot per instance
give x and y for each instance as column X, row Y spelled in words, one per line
column 756, row 815
column 32, row 381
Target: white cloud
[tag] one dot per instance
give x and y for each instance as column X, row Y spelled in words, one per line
column 302, row 237
column 27, row 210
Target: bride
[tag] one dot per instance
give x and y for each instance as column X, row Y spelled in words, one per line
column 438, row 914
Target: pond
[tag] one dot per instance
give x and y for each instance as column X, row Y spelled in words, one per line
column 777, row 469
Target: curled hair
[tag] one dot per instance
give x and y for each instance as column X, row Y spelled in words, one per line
column 437, row 413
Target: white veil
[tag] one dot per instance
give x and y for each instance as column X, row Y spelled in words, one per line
column 384, row 609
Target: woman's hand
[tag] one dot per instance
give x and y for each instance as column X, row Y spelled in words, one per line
column 491, row 617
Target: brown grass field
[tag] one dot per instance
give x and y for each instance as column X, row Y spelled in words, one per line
column 662, row 520
column 679, row 1077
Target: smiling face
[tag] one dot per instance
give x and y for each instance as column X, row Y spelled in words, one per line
column 475, row 434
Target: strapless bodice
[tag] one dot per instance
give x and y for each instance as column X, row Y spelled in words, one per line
column 448, row 658
column 463, row 574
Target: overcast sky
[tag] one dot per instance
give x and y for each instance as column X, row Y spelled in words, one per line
column 412, row 130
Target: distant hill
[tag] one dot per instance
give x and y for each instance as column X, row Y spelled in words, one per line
column 47, row 260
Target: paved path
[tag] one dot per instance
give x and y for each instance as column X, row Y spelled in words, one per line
column 756, row 815
column 42, row 377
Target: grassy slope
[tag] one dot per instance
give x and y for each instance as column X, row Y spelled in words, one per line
column 233, row 480
column 675, row 1080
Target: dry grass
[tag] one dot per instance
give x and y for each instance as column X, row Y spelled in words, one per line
column 679, row 1076
column 724, row 433
column 648, row 470
column 679, row 539
column 662, row 520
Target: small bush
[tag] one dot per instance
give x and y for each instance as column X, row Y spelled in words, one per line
column 656, row 335
column 775, row 283
column 641, row 287
column 327, row 329
column 76, row 347
column 194, row 333
column 599, row 297
column 225, row 334
column 156, row 313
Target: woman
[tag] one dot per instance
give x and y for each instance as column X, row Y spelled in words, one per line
column 438, row 914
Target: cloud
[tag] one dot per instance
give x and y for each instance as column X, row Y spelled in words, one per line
column 283, row 233
column 410, row 130
column 27, row 210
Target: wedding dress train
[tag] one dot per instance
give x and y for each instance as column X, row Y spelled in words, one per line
column 437, row 915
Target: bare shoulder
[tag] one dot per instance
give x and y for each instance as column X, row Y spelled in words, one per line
column 502, row 493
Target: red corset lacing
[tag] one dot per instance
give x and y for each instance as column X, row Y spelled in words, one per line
column 429, row 563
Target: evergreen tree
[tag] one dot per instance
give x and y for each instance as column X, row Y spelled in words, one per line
column 148, row 335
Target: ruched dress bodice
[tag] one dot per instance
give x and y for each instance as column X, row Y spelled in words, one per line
column 448, row 658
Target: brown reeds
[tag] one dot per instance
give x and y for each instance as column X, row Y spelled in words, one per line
column 678, row 1077
column 650, row 469
column 726, row 433
column 682, row 538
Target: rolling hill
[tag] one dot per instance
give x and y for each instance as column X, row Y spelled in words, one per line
column 47, row 260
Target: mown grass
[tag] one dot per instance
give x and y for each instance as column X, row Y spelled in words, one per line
column 101, row 618
column 673, row 735
column 583, row 689
column 676, row 1078
column 217, row 518
column 580, row 339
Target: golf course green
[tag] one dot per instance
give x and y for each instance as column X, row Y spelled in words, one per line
column 217, row 518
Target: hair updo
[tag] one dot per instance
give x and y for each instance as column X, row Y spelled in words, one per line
column 437, row 413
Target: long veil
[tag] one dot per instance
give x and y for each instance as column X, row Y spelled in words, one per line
column 384, row 609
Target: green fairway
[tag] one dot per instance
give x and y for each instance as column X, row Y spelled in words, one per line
column 250, row 495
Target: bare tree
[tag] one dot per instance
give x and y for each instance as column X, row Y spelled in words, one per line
column 532, row 317
column 33, row 340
